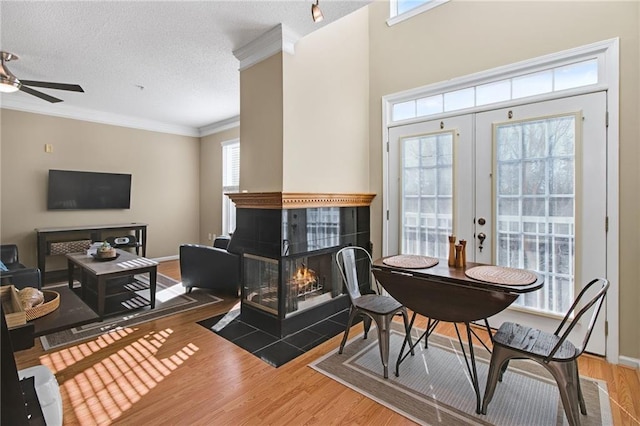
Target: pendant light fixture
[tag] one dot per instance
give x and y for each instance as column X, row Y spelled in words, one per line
column 316, row 13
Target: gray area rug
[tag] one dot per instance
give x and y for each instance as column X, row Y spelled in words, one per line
column 434, row 387
column 170, row 299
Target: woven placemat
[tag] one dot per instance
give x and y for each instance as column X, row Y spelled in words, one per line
column 501, row 275
column 410, row 261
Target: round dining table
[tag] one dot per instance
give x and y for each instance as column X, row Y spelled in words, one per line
column 445, row 293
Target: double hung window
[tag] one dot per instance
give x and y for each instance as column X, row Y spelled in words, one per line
column 230, row 183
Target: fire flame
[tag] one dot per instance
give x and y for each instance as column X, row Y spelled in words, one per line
column 304, row 276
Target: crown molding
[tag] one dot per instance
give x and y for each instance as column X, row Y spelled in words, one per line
column 277, row 39
column 298, row 200
column 66, row 111
column 220, row 126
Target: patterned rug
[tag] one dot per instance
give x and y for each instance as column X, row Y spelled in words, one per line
column 434, row 387
column 170, row 299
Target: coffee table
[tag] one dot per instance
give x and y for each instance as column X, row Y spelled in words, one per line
column 103, row 273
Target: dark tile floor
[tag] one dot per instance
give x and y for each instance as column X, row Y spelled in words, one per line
column 271, row 349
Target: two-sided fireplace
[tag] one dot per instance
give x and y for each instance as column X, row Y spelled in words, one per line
column 289, row 275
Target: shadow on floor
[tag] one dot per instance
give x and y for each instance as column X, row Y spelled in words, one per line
column 271, row 349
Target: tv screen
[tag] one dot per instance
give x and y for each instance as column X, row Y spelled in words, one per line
column 74, row 190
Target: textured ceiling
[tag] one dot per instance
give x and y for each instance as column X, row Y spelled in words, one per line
column 164, row 61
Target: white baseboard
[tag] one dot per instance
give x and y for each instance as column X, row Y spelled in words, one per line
column 629, row 362
column 166, row 258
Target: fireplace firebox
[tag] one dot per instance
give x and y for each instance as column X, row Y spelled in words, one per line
column 306, row 281
column 290, row 279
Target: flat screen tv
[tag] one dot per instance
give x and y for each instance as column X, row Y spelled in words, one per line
column 75, row 190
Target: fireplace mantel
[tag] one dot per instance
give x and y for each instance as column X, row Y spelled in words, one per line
column 298, row 200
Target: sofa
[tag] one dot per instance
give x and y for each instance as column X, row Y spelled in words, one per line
column 211, row 267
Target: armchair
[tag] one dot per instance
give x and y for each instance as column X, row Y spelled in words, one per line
column 17, row 274
column 215, row 268
column 9, row 256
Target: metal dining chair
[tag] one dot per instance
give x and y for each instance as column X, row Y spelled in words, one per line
column 373, row 305
column 553, row 351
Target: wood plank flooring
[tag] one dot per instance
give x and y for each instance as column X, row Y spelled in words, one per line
column 174, row 372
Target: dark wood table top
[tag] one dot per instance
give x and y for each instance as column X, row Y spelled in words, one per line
column 444, row 273
column 72, row 312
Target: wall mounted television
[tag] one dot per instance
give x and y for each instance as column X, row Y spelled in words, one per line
column 76, row 190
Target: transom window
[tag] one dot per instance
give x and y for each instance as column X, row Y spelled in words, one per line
column 541, row 82
column 405, row 9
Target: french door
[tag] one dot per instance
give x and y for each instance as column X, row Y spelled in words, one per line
column 525, row 186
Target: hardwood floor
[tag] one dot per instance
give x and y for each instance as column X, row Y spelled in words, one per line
column 174, row 372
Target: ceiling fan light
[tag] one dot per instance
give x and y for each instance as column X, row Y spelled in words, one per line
column 316, row 13
column 8, row 85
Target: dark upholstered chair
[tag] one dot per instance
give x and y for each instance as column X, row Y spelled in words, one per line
column 21, row 278
column 210, row 267
column 553, row 351
column 17, row 274
column 9, row 256
column 374, row 306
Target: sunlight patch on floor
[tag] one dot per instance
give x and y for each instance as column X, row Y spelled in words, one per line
column 169, row 293
column 111, row 386
column 230, row 316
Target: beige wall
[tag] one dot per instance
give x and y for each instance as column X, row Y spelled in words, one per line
column 261, row 126
column 464, row 37
column 164, row 168
column 326, row 112
column 211, row 182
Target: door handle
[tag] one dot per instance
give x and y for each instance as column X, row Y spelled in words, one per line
column 481, row 237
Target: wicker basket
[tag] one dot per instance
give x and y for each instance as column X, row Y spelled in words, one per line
column 51, row 303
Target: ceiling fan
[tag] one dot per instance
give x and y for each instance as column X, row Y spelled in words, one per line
column 9, row 83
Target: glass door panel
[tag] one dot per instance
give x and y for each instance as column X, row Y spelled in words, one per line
column 428, row 162
column 427, row 193
column 541, row 185
column 535, row 204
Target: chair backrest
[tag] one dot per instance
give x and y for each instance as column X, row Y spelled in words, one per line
column 9, row 253
column 347, row 260
column 568, row 322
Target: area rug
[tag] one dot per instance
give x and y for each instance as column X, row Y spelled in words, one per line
column 170, row 299
column 434, row 387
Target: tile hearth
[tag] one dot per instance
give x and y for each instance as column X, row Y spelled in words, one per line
column 271, row 349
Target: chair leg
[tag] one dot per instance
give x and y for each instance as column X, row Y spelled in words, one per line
column 352, row 314
column 382, row 324
column 565, row 374
column 583, row 406
column 503, row 369
column 366, row 321
column 499, row 357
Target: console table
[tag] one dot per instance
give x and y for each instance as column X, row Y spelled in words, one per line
column 45, row 236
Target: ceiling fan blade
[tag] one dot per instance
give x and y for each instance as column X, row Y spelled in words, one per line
column 40, row 95
column 57, row 86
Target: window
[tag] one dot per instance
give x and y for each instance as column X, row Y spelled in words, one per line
column 427, row 194
column 230, row 183
column 521, row 85
column 405, row 9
